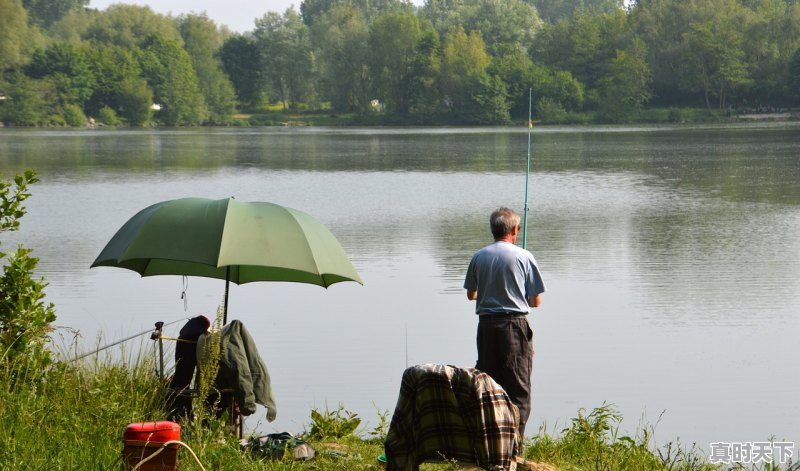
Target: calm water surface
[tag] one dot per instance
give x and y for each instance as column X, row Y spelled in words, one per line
column 671, row 256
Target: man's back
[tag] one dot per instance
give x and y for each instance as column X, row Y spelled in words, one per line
column 505, row 277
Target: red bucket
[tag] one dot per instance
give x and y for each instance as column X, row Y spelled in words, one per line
column 144, row 439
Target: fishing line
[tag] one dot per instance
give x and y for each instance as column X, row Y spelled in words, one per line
column 106, row 347
column 527, row 171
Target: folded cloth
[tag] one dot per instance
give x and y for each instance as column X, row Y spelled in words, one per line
column 448, row 413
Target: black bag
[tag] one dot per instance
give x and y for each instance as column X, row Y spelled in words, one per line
column 276, row 445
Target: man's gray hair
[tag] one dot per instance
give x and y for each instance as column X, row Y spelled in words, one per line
column 503, row 221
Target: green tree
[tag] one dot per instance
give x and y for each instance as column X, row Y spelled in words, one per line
column 715, row 60
column 168, row 70
column 130, row 25
column 203, row 40
column 285, row 45
column 555, row 10
column 241, row 61
column 134, row 99
column 46, row 12
column 424, row 71
column 513, row 65
column 470, row 94
column 499, row 21
column 794, row 77
column 25, row 104
column 772, row 36
column 67, row 68
column 396, row 42
column 523, row 78
column 310, row 10
column 111, row 66
column 72, row 27
column 627, row 86
column 24, row 316
column 661, row 24
column 584, row 45
column 341, row 36
column 490, row 101
column 560, row 86
column 13, row 31
column 696, row 48
column 463, row 59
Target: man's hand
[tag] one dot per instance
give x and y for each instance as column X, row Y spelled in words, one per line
column 472, row 295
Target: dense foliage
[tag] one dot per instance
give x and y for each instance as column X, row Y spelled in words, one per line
column 25, row 317
column 446, row 61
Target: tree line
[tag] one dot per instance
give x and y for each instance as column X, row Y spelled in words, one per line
column 447, row 61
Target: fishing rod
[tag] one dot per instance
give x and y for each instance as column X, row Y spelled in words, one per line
column 527, row 171
column 106, row 347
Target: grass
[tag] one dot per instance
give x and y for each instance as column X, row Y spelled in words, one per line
column 593, row 441
column 72, row 417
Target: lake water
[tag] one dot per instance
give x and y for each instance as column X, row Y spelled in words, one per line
column 671, row 256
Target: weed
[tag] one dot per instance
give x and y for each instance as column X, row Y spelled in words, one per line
column 593, row 441
column 332, row 424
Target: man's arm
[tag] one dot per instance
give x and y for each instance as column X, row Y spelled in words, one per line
column 472, row 295
column 535, row 301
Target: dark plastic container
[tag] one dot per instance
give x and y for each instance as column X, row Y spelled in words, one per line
column 144, row 439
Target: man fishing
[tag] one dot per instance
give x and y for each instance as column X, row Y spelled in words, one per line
column 505, row 281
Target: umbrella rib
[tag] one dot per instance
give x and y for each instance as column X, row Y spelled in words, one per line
column 310, row 249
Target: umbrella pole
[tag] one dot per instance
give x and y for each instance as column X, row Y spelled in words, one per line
column 227, row 284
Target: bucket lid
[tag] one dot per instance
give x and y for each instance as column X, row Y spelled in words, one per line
column 153, row 426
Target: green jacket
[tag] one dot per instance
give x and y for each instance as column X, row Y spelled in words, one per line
column 241, row 369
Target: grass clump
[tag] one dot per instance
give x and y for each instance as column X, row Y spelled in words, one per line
column 593, row 442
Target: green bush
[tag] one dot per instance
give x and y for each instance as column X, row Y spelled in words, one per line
column 108, row 117
column 25, row 103
column 55, row 120
column 675, row 115
column 24, row 317
column 74, row 116
column 135, row 99
column 550, row 111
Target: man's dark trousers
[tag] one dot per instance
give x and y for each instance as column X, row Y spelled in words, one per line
column 505, row 352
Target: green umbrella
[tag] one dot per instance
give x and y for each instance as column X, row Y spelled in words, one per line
column 230, row 240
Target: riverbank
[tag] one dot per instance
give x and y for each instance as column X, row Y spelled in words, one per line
column 72, row 417
column 289, row 118
column 645, row 116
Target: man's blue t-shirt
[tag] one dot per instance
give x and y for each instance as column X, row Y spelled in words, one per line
column 504, row 276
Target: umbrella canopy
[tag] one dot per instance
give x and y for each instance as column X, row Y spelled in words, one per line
column 230, row 240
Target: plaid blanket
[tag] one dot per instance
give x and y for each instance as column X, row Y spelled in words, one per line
column 450, row 413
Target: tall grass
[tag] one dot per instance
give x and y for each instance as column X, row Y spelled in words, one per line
column 593, row 441
column 72, row 417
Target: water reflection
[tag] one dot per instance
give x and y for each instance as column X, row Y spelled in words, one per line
column 758, row 163
column 669, row 253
